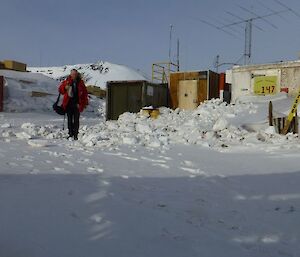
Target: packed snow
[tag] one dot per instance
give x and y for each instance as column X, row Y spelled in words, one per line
column 20, row 86
column 215, row 181
column 94, row 74
column 213, row 124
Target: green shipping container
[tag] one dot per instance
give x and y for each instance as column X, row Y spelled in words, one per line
column 132, row 96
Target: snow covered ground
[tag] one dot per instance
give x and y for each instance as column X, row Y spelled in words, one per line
column 211, row 182
column 94, row 74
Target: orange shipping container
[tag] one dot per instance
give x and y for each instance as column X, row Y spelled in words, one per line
column 189, row 89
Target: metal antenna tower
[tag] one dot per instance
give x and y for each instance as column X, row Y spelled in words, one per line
column 178, row 54
column 249, row 24
column 170, row 43
column 249, row 30
column 248, row 42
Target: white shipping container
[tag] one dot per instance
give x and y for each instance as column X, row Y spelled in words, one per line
column 254, row 79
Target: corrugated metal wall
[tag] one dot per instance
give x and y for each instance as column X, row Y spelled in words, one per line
column 132, row 96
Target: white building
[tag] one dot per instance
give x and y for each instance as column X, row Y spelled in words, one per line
column 264, row 79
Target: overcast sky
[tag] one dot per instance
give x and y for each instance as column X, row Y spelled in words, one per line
column 136, row 32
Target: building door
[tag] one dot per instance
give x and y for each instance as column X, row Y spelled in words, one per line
column 188, row 94
column 134, row 95
column 118, row 103
column 202, row 91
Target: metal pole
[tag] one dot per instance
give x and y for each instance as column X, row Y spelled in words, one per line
column 170, row 43
column 248, row 42
column 178, row 55
column 217, row 64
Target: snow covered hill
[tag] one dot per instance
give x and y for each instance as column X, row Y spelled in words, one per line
column 95, row 74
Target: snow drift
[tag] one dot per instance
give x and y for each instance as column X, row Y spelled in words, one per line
column 213, row 124
column 18, row 88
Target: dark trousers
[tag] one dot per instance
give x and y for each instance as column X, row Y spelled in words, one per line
column 73, row 119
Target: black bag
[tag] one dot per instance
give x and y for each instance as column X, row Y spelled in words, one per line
column 58, row 108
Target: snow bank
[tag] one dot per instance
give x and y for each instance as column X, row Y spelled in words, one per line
column 96, row 74
column 213, row 124
column 18, row 88
column 20, row 85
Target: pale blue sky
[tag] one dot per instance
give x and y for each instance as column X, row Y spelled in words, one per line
column 136, row 32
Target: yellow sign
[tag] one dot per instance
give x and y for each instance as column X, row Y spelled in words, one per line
column 291, row 114
column 265, row 85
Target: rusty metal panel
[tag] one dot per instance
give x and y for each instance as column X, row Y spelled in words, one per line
column 213, row 85
column 132, row 96
column 155, row 95
column 202, row 90
column 117, row 102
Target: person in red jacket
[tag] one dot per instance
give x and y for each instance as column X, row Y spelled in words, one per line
column 75, row 100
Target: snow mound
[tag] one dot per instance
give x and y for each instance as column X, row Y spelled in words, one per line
column 95, row 74
column 213, row 124
column 19, row 87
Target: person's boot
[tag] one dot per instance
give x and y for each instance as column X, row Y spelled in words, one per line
column 75, row 137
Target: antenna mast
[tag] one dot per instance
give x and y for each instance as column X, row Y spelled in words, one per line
column 250, row 23
column 178, row 55
column 248, row 42
column 170, row 43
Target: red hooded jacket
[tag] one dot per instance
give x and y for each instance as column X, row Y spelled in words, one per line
column 82, row 93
